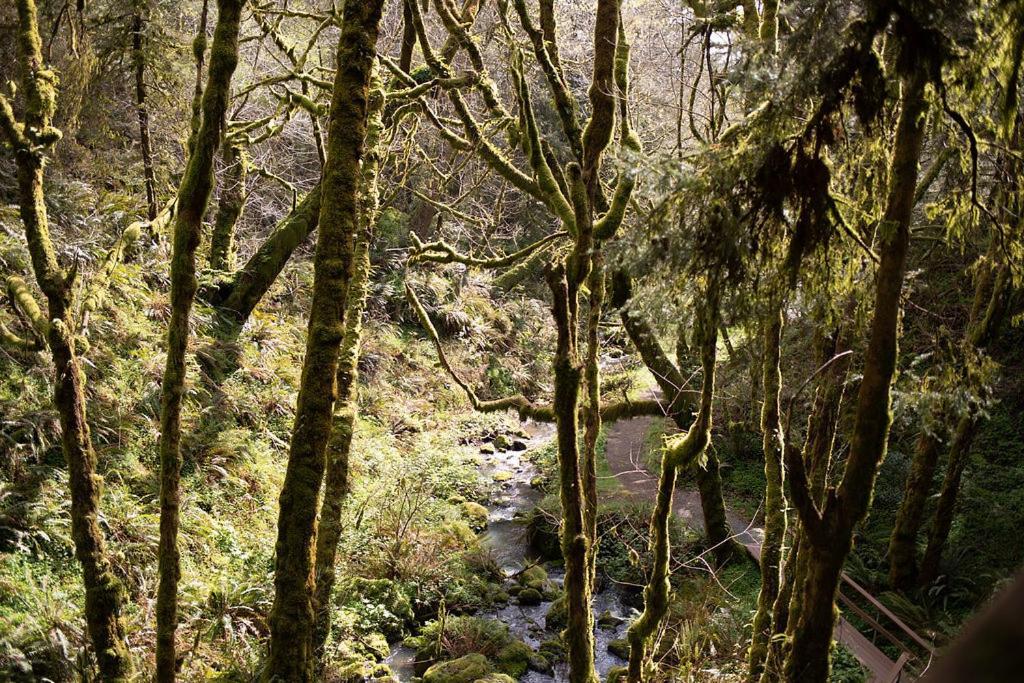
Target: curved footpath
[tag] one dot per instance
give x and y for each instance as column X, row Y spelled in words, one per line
column 624, row 452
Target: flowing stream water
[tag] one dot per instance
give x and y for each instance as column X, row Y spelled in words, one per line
column 506, row 537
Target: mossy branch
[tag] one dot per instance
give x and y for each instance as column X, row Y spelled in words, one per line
column 519, row 403
column 97, row 289
column 442, row 252
column 27, row 306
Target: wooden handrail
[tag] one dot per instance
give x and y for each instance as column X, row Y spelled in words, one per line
column 873, row 623
column 884, row 610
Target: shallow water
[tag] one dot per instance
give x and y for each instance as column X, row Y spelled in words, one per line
column 506, row 538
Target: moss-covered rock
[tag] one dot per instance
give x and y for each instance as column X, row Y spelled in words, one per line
column 619, row 648
column 608, row 620
column 617, row 674
column 514, row 659
column 529, row 597
column 475, row 515
column 557, row 616
column 533, row 574
column 496, row 678
column 501, row 476
column 552, row 650
column 468, row 669
column 461, row 533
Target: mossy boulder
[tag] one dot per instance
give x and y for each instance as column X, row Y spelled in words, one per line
column 460, row 533
column 532, row 575
column 514, row 659
column 558, row 615
column 475, row 515
column 502, row 442
column 496, row 678
column 608, row 620
column 619, row 648
column 468, row 669
column 529, row 597
column 552, row 650
column 502, row 476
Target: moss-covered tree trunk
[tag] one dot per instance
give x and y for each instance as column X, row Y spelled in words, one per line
column 30, row 141
column 990, row 306
column 683, row 451
column 575, row 543
column 336, row 480
column 292, row 619
column 139, row 22
column 991, row 294
column 229, row 208
column 253, row 280
column 817, row 455
column 774, row 497
column 830, row 534
column 903, row 542
column 193, row 199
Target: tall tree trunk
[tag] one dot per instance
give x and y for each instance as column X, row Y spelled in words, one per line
column 830, row 536
column 990, row 307
column 142, row 107
column 679, row 453
column 30, row 141
column 903, row 542
column 817, row 455
column 408, row 37
column 592, row 424
column 292, row 620
column 193, row 198
column 229, row 208
column 579, row 633
column 991, row 294
column 774, row 497
column 336, row 482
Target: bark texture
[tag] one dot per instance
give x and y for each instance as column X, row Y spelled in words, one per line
column 336, row 481
column 681, row 452
column 292, row 619
column 193, row 199
column 774, row 498
column 30, row 139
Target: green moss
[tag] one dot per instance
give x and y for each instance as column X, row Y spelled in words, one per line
column 467, row 669
column 475, row 514
column 514, row 659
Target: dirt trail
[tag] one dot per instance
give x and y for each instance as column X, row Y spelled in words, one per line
column 624, row 451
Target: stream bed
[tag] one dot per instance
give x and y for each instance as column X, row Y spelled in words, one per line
column 506, row 537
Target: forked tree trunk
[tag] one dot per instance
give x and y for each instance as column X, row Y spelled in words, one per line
column 336, row 481
column 292, row 619
column 193, row 198
column 671, row 382
column 830, row 535
column 30, row 141
column 991, row 292
column 989, row 317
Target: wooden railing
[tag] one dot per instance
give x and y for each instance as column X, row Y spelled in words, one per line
column 914, row 655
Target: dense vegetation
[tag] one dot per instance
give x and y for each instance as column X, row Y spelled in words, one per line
column 486, row 341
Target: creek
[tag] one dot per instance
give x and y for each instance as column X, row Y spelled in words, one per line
column 506, row 537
